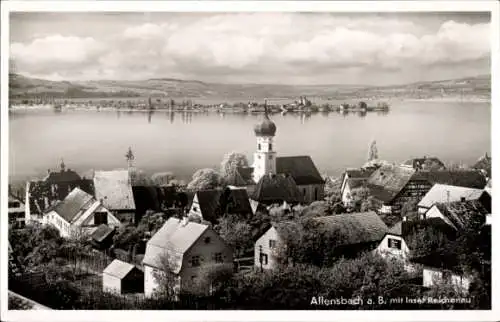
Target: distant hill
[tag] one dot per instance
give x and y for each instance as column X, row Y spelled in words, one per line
column 21, row 87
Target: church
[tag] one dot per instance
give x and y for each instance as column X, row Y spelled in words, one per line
column 273, row 178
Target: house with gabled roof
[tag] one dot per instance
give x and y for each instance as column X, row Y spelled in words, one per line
column 394, row 186
column 210, row 205
column 354, row 233
column 442, row 193
column 352, row 179
column 184, row 248
column 425, row 163
column 79, row 213
column 121, row 278
column 459, row 214
column 114, row 190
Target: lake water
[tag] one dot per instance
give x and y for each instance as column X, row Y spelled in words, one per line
column 183, row 142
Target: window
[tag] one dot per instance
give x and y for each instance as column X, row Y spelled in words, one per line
column 270, row 157
column 315, row 193
column 207, row 240
column 14, row 204
column 195, row 261
column 270, row 146
column 272, row 243
column 394, row 243
column 258, row 146
column 304, row 191
column 263, row 259
column 218, row 258
column 100, row 218
column 195, row 208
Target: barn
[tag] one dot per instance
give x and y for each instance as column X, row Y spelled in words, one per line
column 120, row 277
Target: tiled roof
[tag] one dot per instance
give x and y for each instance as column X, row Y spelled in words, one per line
column 461, row 178
column 214, row 203
column 114, row 189
column 276, row 188
column 102, row 232
column 356, row 183
column 301, row 168
column 355, row 228
column 63, row 176
column 119, row 269
column 396, row 229
column 75, row 203
column 386, row 182
column 440, row 193
column 462, row 212
column 174, row 238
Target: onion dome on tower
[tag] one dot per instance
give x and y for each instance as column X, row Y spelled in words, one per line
column 266, row 127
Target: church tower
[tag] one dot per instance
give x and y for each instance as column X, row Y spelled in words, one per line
column 264, row 159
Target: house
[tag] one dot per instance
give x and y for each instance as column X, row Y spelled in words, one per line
column 102, row 236
column 352, row 179
column 459, row 213
column 442, row 193
column 439, row 269
column 355, row 232
column 42, row 194
column 16, row 213
column 394, row 186
column 425, row 163
column 114, row 190
column 210, row 205
column 121, row 278
column 79, row 213
column 393, row 244
column 266, row 162
column 184, row 248
column 275, row 189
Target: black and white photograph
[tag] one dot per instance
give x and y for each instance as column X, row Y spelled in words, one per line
column 285, row 157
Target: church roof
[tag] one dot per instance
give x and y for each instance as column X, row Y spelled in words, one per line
column 274, row 188
column 301, row 168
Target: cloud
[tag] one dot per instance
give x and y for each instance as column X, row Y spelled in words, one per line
column 271, row 45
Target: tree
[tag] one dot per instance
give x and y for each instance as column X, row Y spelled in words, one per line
column 168, row 282
column 236, row 233
column 139, row 178
column 204, row 179
column 127, row 236
column 211, row 279
column 151, row 222
column 373, row 151
column 231, row 162
column 370, row 204
column 162, row 178
column 357, row 197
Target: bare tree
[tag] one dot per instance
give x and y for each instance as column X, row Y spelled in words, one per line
column 168, row 282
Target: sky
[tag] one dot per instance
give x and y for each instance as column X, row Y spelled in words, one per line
column 265, row 48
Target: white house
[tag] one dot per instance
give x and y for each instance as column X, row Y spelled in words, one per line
column 443, row 193
column 185, row 248
column 393, row 244
column 78, row 213
column 265, row 249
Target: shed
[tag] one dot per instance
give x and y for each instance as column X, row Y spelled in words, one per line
column 120, row 277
